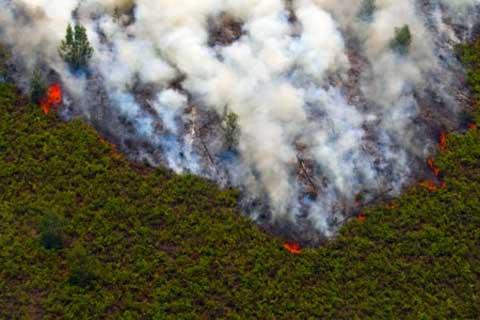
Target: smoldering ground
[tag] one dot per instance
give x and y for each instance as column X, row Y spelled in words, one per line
column 330, row 117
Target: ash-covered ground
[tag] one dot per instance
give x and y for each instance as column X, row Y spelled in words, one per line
column 330, row 117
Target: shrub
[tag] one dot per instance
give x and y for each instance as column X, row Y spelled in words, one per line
column 81, row 267
column 51, row 231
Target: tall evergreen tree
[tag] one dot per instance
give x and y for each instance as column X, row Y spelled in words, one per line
column 75, row 49
column 38, row 87
column 402, row 41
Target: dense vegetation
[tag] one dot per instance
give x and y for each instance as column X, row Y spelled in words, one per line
column 86, row 234
column 75, row 49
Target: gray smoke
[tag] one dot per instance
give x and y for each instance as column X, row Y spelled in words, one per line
column 329, row 115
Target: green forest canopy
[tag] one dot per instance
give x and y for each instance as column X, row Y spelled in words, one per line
column 86, row 234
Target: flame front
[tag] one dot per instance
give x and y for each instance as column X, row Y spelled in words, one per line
column 432, row 166
column 293, row 247
column 443, row 141
column 361, row 217
column 429, row 185
column 53, row 98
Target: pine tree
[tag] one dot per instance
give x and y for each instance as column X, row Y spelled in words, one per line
column 232, row 131
column 75, row 49
column 38, row 88
column 402, row 41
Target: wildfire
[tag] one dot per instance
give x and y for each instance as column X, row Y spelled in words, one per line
column 293, row 247
column 115, row 153
column 443, row 141
column 472, row 126
column 432, row 166
column 52, row 99
column 392, row 206
column 361, row 217
column 429, row 185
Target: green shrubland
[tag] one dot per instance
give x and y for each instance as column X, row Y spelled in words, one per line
column 85, row 234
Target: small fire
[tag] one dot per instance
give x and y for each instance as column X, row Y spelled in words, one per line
column 432, row 166
column 52, row 99
column 115, row 153
column 293, row 247
column 361, row 217
column 392, row 206
column 113, row 147
column 472, row 126
column 429, row 185
column 443, row 141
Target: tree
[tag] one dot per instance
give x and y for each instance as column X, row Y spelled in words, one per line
column 367, row 10
column 232, row 131
column 75, row 49
column 38, row 87
column 402, row 41
column 4, row 64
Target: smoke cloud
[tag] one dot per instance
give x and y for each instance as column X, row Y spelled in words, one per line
column 329, row 115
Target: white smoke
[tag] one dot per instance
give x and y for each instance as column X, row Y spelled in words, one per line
column 288, row 78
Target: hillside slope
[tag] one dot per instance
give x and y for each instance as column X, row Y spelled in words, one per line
column 86, row 234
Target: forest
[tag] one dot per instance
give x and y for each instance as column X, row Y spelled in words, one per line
column 85, row 233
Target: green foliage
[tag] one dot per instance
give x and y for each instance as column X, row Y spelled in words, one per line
column 232, row 131
column 81, row 265
column 75, row 49
column 470, row 56
column 38, row 86
column 4, row 56
column 402, row 41
column 143, row 243
column 51, row 231
column 367, row 10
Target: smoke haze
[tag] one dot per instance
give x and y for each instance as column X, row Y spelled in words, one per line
column 329, row 114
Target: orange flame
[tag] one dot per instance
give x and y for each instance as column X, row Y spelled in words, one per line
column 392, row 206
column 432, row 166
column 429, row 185
column 443, row 141
column 52, row 99
column 472, row 126
column 293, row 247
column 115, row 153
column 361, row 217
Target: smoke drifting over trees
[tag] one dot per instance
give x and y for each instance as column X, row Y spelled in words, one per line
column 327, row 112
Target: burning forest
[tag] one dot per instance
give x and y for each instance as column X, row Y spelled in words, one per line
column 313, row 109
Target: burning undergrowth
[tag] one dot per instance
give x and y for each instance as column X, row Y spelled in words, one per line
column 329, row 116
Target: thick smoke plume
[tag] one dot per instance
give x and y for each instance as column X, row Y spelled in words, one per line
column 330, row 117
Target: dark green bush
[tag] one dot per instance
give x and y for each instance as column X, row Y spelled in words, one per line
column 51, row 231
column 82, row 269
column 402, row 40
